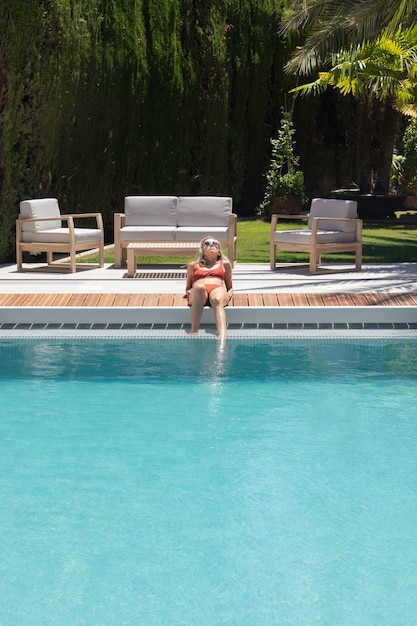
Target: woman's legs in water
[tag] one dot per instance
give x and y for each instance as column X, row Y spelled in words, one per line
column 219, row 299
column 197, row 299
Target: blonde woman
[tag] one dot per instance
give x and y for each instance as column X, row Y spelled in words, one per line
column 209, row 281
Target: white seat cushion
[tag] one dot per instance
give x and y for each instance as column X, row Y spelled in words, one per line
column 196, row 233
column 204, row 211
column 147, row 233
column 40, row 208
column 303, row 237
column 61, row 235
column 151, row 210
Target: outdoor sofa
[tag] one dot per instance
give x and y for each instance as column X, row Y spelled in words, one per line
column 169, row 221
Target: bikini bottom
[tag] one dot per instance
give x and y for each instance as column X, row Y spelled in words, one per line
column 209, row 289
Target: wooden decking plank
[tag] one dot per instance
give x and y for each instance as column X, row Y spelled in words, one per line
column 179, row 300
column 270, row 299
column 240, row 299
column 121, row 299
column 358, row 299
column 300, row 299
column 49, row 299
column 32, row 299
column 136, row 299
column 77, row 299
column 92, row 299
column 314, row 299
column 61, row 299
column 375, row 299
column 255, row 299
column 151, row 299
column 106, row 299
column 19, row 299
column 166, row 299
column 6, row 298
column 383, row 299
column 285, row 299
column 330, row 299
column 344, row 299
column 404, row 299
column 388, row 299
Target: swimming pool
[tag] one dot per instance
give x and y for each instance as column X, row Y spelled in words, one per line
column 193, row 482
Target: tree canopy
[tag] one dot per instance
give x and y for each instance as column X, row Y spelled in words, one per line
column 329, row 26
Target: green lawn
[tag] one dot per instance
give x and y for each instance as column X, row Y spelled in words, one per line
column 382, row 243
column 394, row 242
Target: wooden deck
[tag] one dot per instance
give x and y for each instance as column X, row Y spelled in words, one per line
column 177, row 300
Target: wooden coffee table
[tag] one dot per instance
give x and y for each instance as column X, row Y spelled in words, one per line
column 166, row 248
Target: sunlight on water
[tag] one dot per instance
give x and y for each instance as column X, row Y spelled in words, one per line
column 192, row 482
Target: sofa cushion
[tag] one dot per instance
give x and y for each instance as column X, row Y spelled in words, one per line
column 151, row 210
column 303, row 237
column 321, row 207
column 204, row 211
column 61, row 235
column 40, row 208
column 196, row 233
column 132, row 234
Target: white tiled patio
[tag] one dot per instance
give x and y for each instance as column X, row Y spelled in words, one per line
column 247, row 278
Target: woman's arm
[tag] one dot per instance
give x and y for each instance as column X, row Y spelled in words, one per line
column 190, row 272
column 228, row 277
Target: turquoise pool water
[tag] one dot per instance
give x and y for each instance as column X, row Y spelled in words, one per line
column 186, row 482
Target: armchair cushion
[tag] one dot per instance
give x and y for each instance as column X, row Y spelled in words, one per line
column 303, row 237
column 39, row 209
column 61, row 235
column 323, row 207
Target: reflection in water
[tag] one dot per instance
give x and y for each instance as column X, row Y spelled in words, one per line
column 218, row 376
column 207, row 362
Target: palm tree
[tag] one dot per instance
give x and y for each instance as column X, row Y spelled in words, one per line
column 380, row 74
column 332, row 25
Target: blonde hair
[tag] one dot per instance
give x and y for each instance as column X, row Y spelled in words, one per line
column 200, row 257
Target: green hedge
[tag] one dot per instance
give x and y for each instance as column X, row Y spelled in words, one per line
column 100, row 99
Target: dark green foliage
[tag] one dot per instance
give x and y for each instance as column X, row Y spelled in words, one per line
column 284, row 179
column 104, row 98
column 409, row 157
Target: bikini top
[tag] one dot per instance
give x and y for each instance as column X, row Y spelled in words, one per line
column 201, row 272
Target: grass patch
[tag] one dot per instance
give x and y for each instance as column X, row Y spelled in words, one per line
column 382, row 243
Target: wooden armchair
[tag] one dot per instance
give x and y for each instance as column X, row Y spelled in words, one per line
column 333, row 226
column 39, row 229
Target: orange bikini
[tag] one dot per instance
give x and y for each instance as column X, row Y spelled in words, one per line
column 200, row 272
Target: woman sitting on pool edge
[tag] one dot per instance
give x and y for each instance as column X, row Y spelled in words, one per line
column 209, row 281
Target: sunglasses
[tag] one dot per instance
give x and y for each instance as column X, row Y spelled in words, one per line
column 212, row 242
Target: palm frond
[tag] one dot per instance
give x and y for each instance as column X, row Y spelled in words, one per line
column 316, row 87
column 331, row 25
